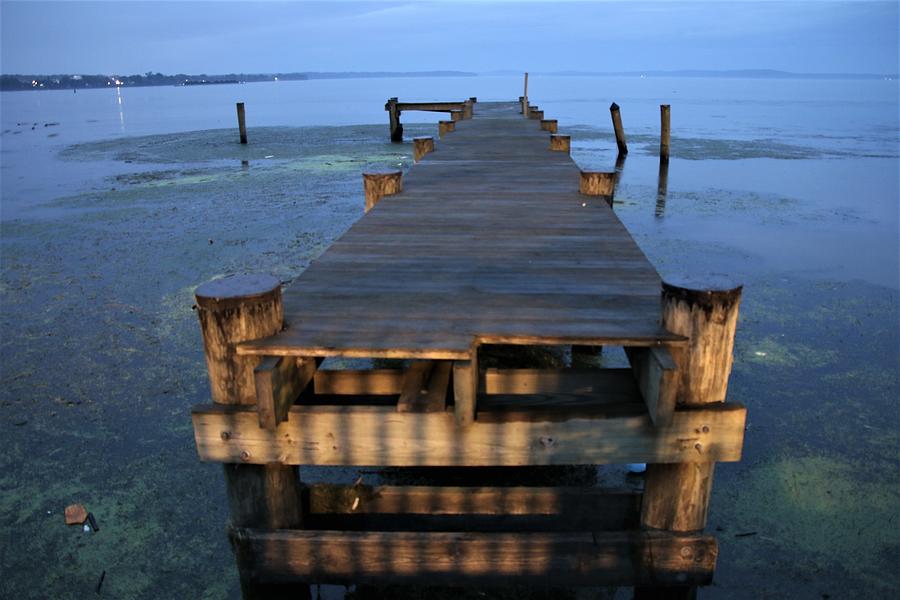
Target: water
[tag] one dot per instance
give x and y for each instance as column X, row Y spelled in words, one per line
column 118, row 202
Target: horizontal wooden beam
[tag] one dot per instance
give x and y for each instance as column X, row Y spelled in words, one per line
column 374, row 382
column 444, row 508
column 577, row 559
column 431, row 106
column 657, row 377
column 379, row 435
column 618, row 384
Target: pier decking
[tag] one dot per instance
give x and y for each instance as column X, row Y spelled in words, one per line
column 489, row 242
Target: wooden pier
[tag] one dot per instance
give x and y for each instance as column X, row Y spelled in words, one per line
column 486, row 240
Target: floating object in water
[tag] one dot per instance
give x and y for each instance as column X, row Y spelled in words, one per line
column 76, row 514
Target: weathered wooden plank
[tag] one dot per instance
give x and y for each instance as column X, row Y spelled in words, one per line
column 488, row 228
column 617, row 385
column 438, row 508
column 279, row 381
column 425, row 387
column 375, row 382
column 379, row 435
column 594, row 558
column 657, row 377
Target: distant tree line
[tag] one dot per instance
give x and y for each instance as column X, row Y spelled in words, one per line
column 68, row 82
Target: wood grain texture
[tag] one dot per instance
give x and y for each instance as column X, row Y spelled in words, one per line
column 505, row 434
column 279, row 381
column 489, row 241
column 593, row 558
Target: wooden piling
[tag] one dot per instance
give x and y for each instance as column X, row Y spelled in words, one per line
column 676, row 496
column 598, row 183
column 617, row 125
column 422, row 146
column 560, row 143
column 550, row 125
column 536, row 114
column 233, row 310
column 242, row 122
column 664, row 132
column 445, row 127
column 380, row 184
column 456, row 115
column 394, row 113
column 467, row 109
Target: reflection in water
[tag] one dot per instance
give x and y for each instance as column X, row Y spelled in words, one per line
column 121, row 109
column 662, row 187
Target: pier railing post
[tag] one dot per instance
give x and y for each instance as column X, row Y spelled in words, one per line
column 422, row 146
column 664, row 114
column 676, row 496
column 617, row 126
column 445, row 127
column 380, row 184
column 599, row 183
column 242, row 122
column 234, row 310
column 560, row 142
column 525, row 98
column 550, row 125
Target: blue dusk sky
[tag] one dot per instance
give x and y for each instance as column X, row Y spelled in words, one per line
column 223, row 37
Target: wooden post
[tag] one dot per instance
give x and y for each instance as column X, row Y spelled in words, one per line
column 242, row 122
column 396, row 127
column 664, row 132
column 550, row 125
column 467, row 109
column 465, row 390
column 380, row 184
column 536, row 114
column 456, row 115
column 560, row 143
column 474, row 99
column 445, row 127
column 598, row 183
column 525, row 106
column 676, row 496
column 617, row 125
column 422, row 146
column 233, row 310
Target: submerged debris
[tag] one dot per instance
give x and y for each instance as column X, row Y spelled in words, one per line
column 76, row 514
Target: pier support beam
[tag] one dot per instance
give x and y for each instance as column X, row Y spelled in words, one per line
column 380, row 184
column 242, row 122
column 422, row 146
column 676, row 496
column 617, row 125
column 233, row 310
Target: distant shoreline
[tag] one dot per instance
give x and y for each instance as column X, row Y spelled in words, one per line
column 17, row 82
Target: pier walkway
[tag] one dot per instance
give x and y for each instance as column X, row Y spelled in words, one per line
column 492, row 238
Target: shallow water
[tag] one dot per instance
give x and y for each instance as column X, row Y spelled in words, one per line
column 790, row 188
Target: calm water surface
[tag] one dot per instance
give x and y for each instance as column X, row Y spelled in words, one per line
column 115, row 203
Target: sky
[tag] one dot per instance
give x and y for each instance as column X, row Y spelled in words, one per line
column 124, row 37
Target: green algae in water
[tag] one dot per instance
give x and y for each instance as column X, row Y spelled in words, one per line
column 821, row 510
